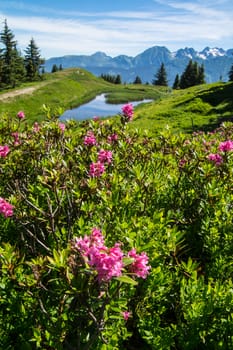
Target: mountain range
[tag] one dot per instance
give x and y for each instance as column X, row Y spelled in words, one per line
column 217, row 63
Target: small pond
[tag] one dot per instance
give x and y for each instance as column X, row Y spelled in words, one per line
column 96, row 108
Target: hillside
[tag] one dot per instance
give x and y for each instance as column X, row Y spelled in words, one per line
column 197, row 108
column 67, row 89
column 200, row 107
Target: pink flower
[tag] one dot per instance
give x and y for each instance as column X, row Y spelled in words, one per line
column 226, row 146
column 6, row 208
column 112, row 138
column 140, row 265
column 96, row 119
column 21, row 115
column 105, row 156
column 16, row 138
column 107, row 262
column 4, row 150
column 182, row 162
column 216, row 158
column 126, row 315
column 96, row 169
column 89, row 139
column 127, row 111
column 62, row 126
column 97, row 238
column 36, row 127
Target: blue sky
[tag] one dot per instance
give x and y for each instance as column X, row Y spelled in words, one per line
column 118, row 27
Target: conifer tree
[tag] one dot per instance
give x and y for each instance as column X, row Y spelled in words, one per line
column 192, row 75
column 230, row 74
column 118, row 79
column 137, row 80
column 176, row 83
column 201, row 75
column 32, row 61
column 11, row 61
column 160, row 76
column 54, row 68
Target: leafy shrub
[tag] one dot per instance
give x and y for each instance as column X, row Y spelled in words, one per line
column 168, row 198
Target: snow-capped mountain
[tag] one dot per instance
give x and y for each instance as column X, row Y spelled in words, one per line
column 217, row 63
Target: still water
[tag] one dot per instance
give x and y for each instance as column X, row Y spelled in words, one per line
column 96, row 108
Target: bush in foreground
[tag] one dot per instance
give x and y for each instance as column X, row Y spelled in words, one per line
column 114, row 241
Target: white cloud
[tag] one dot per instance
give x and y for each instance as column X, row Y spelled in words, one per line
column 184, row 23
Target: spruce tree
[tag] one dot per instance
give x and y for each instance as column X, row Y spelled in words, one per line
column 160, row 76
column 192, row 75
column 201, row 75
column 176, row 83
column 11, row 61
column 32, row 61
column 118, row 79
column 54, row 68
column 137, row 80
column 230, row 74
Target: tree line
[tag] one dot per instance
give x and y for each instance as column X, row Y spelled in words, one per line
column 192, row 75
column 14, row 67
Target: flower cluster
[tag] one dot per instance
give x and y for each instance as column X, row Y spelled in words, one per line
column 216, row 158
column 105, row 156
column 21, row 115
column 112, row 138
column 15, row 136
column 5, row 208
column 108, row 262
column 96, row 169
column 89, row 139
column 4, row 150
column 226, row 146
column 127, row 111
column 62, row 126
column 140, row 265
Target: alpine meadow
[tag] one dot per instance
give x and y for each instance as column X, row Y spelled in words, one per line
column 115, row 232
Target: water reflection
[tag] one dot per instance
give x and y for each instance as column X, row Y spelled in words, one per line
column 97, row 107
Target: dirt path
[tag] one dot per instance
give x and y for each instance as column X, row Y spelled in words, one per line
column 18, row 92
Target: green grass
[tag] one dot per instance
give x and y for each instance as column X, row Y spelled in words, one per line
column 70, row 88
column 201, row 107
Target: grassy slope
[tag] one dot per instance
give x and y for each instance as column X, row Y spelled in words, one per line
column 201, row 107
column 70, row 88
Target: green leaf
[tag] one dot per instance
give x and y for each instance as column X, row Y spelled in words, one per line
column 126, row 279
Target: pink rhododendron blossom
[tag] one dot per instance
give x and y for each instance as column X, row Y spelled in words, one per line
column 89, row 139
column 62, row 126
column 216, row 158
column 105, row 156
column 182, row 163
column 4, row 150
column 6, row 208
column 127, row 111
column 97, row 238
column 16, row 138
column 226, row 146
column 107, row 262
column 96, row 169
column 140, row 265
column 112, row 138
column 126, row 315
column 21, row 115
column 36, row 127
